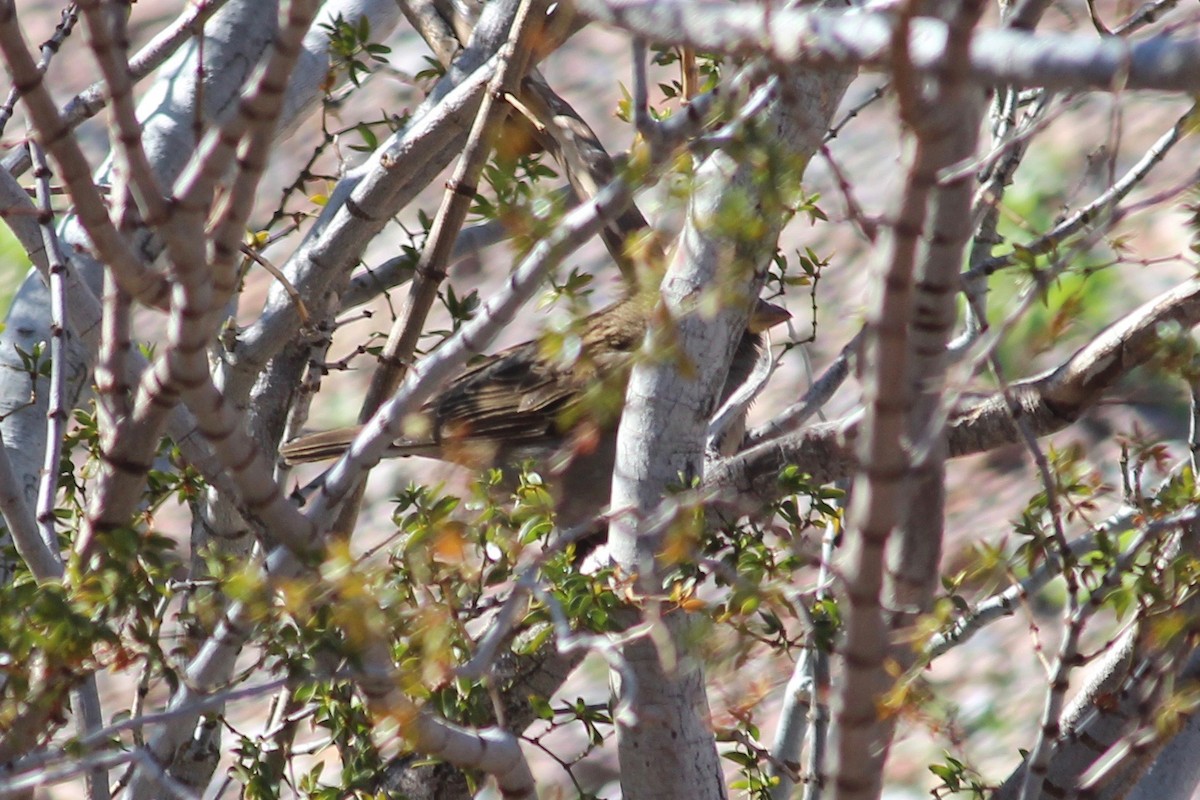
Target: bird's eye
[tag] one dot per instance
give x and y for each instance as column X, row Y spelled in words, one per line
column 622, row 344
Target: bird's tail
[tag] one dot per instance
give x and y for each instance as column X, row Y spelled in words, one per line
column 333, row 444
column 319, row 446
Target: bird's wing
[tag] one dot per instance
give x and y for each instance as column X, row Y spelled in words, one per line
column 512, row 397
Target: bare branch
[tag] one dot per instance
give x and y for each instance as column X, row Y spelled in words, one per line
column 827, row 39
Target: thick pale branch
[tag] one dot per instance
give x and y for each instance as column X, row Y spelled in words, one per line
column 670, row 752
column 1048, row 403
column 819, row 38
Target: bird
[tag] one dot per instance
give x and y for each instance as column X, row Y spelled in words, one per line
column 526, row 404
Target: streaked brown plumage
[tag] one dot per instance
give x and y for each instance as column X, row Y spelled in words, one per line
column 518, row 405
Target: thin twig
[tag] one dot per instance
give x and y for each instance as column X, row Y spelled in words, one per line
column 48, row 49
column 1096, row 213
column 56, row 413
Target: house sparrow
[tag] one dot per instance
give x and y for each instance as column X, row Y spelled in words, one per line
column 521, row 404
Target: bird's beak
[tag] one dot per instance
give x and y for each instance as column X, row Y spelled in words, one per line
column 766, row 316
